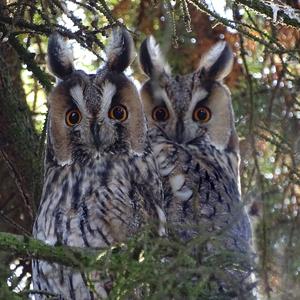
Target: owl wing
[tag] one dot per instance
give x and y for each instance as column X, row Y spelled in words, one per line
column 147, row 180
column 201, row 191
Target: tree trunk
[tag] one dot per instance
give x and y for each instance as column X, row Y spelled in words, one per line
column 20, row 169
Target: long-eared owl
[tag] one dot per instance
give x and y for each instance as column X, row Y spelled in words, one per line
column 193, row 136
column 101, row 182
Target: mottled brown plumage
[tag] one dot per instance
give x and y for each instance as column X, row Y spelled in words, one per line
column 101, row 182
column 193, row 136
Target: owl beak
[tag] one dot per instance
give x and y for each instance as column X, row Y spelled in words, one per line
column 95, row 128
column 179, row 131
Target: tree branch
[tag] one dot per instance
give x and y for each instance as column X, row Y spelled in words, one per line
column 240, row 27
column 243, row 28
column 27, row 247
column 28, row 58
column 279, row 13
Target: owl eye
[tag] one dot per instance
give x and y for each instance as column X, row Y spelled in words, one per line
column 202, row 114
column 118, row 112
column 73, row 117
column 160, row 114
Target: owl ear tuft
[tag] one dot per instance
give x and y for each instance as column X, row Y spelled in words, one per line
column 60, row 56
column 120, row 50
column 217, row 63
column 151, row 58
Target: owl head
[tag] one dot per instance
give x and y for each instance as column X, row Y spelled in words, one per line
column 93, row 114
column 192, row 108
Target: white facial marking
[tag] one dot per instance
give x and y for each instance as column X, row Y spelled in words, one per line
column 108, row 91
column 77, row 95
column 198, row 95
column 159, row 93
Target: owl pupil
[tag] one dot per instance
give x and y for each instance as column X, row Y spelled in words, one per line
column 74, row 118
column 202, row 114
column 160, row 115
column 118, row 113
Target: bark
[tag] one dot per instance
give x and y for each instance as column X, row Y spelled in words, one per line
column 19, row 144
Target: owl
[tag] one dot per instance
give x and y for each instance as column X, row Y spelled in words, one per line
column 101, row 182
column 193, row 136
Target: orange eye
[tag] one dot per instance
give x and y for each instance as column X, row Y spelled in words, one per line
column 73, row 117
column 118, row 112
column 160, row 114
column 202, row 114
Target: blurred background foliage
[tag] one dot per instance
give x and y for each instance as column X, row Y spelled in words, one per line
column 264, row 84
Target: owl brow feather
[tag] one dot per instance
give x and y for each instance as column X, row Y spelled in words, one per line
column 198, row 96
column 163, row 99
column 76, row 93
column 108, row 91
